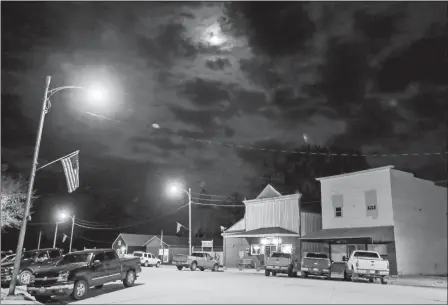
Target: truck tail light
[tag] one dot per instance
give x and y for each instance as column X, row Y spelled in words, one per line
column 387, row 265
column 357, row 264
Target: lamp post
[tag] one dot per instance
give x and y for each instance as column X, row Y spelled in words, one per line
column 175, row 189
column 45, row 108
column 64, row 216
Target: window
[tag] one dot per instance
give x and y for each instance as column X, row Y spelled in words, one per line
column 316, row 255
column 338, row 212
column 110, row 255
column 256, row 249
column 278, row 254
column 55, row 253
column 99, row 257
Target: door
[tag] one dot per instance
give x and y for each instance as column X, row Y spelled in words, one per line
column 113, row 266
column 268, row 251
column 208, row 261
column 99, row 272
column 152, row 259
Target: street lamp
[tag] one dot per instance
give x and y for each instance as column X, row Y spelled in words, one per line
column 62, row 217
column 45, row 108
column 175, row 189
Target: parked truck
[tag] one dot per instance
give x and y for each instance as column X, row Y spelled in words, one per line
column 196, row 260
column 316, row 264
column 280, row 262
column 77, row 271
column 368, row 265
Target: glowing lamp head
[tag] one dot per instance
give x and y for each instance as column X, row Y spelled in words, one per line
column 63, row 216
column 96, row 94
column 174, row 190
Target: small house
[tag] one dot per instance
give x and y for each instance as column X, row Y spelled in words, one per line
column 128, row 243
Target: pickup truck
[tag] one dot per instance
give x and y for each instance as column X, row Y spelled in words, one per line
column 196, row 260
column 317, row 264
column 147, row 259
column 77, row 271
column 366, row 264
column 30, row 260
column 280, row 262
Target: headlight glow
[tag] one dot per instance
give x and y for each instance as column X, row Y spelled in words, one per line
column 63, row 276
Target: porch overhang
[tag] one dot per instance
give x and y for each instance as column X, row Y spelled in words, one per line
column 263, row 232
column 382, row 234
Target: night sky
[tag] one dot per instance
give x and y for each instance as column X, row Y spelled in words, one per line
column 366, row 76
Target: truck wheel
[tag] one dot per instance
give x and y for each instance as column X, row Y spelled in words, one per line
column 193, row 266
column 25, row 277
column 99, row 286
column 274, row 273
column 158, row 265
column 179, row 268
column 146, row 264
column 267, row 272
column 304, row 275
column 42, row 298
column 383, row 280
column 202, row 269
column 346, row 276
column 215, row 267
column 129, row 279
column 80, row 290
column 371, row 280
column 353, row 277
column 294, row 274
column 290, row 273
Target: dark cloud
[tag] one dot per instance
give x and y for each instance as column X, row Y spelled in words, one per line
column 204, row 93
column 218, row 64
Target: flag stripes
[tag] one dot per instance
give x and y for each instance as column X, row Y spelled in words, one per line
column 71, row 170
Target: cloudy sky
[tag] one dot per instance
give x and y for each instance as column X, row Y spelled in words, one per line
column 367, row 76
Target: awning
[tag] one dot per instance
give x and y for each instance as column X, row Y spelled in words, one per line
column 263, row 232
column 374, row 234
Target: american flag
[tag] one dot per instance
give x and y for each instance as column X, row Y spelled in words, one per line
column 71, row 170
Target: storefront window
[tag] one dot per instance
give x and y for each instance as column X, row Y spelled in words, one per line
column 256, row 249
column 286, row 248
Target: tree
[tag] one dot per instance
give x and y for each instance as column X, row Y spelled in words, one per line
column 13, row 197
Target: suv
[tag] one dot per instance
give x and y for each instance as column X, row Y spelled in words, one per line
column 147, row 259
column 30, row 260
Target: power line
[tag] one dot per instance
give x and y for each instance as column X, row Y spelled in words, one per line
column 207, row 199
column 220, row 205
column 247, row 147
column 203, row 194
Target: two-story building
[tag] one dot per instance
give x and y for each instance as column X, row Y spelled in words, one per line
column 402, row 217
column 272, row 223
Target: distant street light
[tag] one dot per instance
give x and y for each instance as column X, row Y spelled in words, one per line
column 175, row 189
column 95, row 93
column 62, row 217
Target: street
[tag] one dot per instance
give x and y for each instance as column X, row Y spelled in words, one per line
column 168, row 285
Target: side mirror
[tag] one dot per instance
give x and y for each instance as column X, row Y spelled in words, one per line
column 344, row 258
column 96, row 263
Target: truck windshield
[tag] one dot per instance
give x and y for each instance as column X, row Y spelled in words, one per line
column 138, row 254
column 365, row 254
column 30, row 254
column 75, row 258
column 278, row 254
column 316, row 255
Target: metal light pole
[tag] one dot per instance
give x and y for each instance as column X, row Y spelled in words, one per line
column 189, row 221
column 55, row 235
column 71, row 237
column 15, row 273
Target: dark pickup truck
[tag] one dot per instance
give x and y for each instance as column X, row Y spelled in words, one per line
column 77, row 271
column 30, row 260
column 317, row 264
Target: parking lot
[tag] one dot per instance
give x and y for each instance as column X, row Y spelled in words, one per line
column 168, row 285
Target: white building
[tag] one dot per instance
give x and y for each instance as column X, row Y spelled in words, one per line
column 390, row 211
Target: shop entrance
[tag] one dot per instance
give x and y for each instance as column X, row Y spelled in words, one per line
column 268, row 249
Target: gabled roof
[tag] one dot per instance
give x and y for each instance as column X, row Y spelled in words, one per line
column 269, row 192
column 239, row 226
column 135, row 240
column 173, row 241
column 271, row 231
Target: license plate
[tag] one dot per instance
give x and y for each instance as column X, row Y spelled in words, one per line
column 305, row 269
column 42, row 290
column 372, row 271
column 276, row 267
column 315, row 269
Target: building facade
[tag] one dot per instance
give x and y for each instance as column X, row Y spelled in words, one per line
column 272, row 223
column 389, row 211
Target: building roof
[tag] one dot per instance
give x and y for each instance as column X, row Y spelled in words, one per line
column 375, row 234
column 269, row 192
column 261, row 232
column 135, row 240
column 356, row 173
column 239, row 226
column 176, row 241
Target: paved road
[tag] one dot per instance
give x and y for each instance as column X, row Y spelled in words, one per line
column 168, row 285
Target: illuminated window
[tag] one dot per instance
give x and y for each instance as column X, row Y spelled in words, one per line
column 338, row 212
column 286, row 248
column 256, row 249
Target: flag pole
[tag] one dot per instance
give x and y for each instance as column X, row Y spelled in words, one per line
column 52, row 162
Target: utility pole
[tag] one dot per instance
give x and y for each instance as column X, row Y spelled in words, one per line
column 71, row 238
column 189, row 221
column 55, row 235
column 40, row 236
column 161, row 246
column 15, row 273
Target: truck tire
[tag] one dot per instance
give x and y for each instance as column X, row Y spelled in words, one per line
column 267, row 273
column 371, row 280
column 179, row 268
column 274, row 273
column 290, row 273
column 129, row 280
column 304, row 275
column 25, row 277
column 42, row 298
column 146, row 264
column 158, row 265
column 202, row 269
column 99, row 286
column 383, row 280
column 80, row 290
column 294, row 274
column 193, row 266
column 215, row 268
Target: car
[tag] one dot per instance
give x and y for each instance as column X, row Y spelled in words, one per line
column 147, row 259
column 317, row 264
column 368, row 265
column 78, row 271
column 30, row 259
column 280, row 262
column 196, row 260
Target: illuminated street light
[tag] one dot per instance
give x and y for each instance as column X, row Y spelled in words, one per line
column 62, row 216
column 175, row 190
column 45, row 109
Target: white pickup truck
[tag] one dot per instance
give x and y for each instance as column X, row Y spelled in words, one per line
column 366, row 264
column 147, row 259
